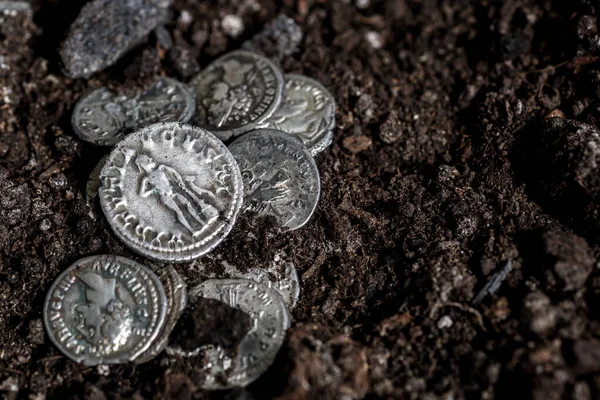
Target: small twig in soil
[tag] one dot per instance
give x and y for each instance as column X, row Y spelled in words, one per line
column 494, row 283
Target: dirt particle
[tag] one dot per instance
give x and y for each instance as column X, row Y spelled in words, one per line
column 356, row 144
column 538, row 314
column 569, row 257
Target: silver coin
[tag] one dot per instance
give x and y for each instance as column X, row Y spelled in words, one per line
column 104, row 310
column 104, row 118
column 171, row 192
column 280, row 276
column 280, row 176
column 176, row 292
column 236, row 93
column 307, row 110
column 257, row 350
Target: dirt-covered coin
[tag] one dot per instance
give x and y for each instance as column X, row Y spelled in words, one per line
column 170, row 191
column 105, row 310
column 280, row 176
column 236, row 93
column 307, row 110
column 103, row 117
column 176, row 292
column 257, row 350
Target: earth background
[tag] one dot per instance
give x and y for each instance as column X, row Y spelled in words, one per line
column 456, row 151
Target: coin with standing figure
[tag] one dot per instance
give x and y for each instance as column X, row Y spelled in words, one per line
column 104, row 310
column 280, row 176
column 103, row 117
column 257, row 351
column 170, row 191
column 236, row 92
column 176, row 292
column 307, row 110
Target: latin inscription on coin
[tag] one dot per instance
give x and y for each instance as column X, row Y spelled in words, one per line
column 104, row 310
column 237, row 92
column 259, row 347
column 280, row 176
column 103, row 117
column 307, row 110
column 171, row 191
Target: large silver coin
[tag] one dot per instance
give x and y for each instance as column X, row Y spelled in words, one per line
column 257, row 351
column 176, row 292
column 236, row 93
column 280, row 176
column 104, row 310
column 171, row 192
column 103, row 117
column 307, row 110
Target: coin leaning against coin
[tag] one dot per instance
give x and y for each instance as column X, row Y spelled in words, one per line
column 104, row 310
column 103, row 117
column 176, row 292
column 236, row 93
column 280, row 176
column 307, row 110
column 170, row 191
column 258, row 349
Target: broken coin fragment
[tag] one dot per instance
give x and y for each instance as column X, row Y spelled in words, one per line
column 107, row 29
column 103, row 117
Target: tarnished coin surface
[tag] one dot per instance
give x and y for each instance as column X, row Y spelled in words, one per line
column 105, row 310
column 280, row 176
column 170, row 191
column 103, row 117
column 236, row 93
column 307, row 110
column 256, row 352
column 282, row 277
column 176, row 292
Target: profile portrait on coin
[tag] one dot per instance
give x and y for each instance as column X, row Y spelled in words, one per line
column 307, row 110
column 280, row 176
column 170, row 191
column 105, row 310
column 236, row 93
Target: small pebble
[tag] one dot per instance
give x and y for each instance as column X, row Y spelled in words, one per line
column 232, row 25
column 374, row 39
column 445, row 322
column 58, row 181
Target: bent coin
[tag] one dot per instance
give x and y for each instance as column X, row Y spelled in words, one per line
column 176, row 292
column 307, row 110
column 104, row 310
column 171, row 192
column 257, row 351
column 280, row 176
column 236, row 92
column 104, row 118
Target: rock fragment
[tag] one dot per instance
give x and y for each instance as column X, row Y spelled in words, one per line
column 107, row 29
column 538, row 314
column 278, row 39
column 569, row 258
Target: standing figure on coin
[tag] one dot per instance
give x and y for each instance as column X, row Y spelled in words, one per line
column 182, row 196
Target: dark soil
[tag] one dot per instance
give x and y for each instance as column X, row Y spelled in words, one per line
column 445, row 166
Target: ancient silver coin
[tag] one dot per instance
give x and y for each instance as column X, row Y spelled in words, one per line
column 257, row 351
column 280, row 176
column 170, row 191
column 280, row 276
column 104, row 118
column 236, row 93
column 176, row 292
column 104, row 310
column 307, row 110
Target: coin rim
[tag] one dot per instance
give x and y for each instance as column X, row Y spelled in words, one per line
column 83, row 262
column 302, row 148
column 228, row 134
column 192, row 252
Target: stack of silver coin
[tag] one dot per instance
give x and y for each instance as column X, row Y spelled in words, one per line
column 185, row 160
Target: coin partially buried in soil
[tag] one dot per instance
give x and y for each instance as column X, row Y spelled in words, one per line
column 280, row 176
column 236, row 93
column 103, row 117
column 105, row 310
column 171, row 192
